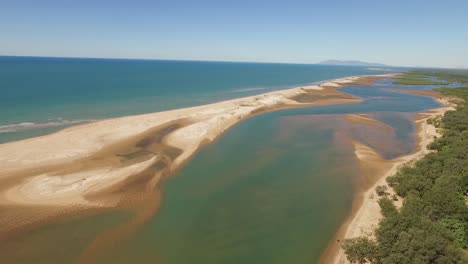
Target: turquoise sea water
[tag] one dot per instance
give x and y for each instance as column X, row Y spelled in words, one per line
column 273, row 189
column 40, row 95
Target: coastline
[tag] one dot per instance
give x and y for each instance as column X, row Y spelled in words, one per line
column 100, row 164
column 365, row 214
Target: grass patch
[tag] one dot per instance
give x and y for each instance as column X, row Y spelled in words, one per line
column 460, row 76
column 422, row 77
column 417, row 78
column 460, row 91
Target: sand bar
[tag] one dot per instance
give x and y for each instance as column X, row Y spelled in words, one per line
column 105, row 163
column 366, row 214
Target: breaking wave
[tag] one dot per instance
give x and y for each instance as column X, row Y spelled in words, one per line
column 31, row 125
column 247, row 90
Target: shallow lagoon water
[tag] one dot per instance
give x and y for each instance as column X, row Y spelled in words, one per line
column 262, row 199
column 273, row 189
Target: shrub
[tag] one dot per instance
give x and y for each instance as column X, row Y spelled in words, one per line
column 381, row 190
column 360, row 250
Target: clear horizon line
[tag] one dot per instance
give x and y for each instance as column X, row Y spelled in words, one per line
column 227, row 61
column 193, row 60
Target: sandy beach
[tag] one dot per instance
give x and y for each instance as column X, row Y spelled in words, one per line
column 365, row 216
column 119, row 161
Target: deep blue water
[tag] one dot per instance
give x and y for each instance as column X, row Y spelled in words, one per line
column 40, row 95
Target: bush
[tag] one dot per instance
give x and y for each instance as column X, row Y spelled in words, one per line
column 360, row 250
column 381, row 190
column 387, row 207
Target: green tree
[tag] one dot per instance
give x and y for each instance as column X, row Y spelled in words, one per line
column 360, row 250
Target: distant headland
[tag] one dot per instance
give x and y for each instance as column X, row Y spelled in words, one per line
column 352, row 63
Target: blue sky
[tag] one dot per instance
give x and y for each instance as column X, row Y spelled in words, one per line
column 405, row 33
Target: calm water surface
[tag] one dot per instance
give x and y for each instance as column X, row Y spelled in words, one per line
column 40, row 95
column 273, row 189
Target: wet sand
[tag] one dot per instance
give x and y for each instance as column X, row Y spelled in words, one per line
column 365, row 215
column 365, row 119
column 118, row 163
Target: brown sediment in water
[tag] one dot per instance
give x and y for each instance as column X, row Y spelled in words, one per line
column 118, row 163
column 367, row 148
column 141, row 148
column 365, row 215
column 366, row 119
column 370, row 165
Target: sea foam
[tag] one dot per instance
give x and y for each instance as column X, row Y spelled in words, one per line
column 32, row 125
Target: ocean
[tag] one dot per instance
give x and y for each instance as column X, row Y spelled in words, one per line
column 42, row 95
column 273, row 189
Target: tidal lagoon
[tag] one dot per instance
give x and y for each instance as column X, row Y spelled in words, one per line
column 275, row 188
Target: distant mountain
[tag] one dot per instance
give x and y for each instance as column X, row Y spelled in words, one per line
column 352, row 63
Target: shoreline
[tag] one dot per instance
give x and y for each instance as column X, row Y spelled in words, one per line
column 101, row 164
column 365, row 214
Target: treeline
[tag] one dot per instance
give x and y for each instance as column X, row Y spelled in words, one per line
column 425, row 77
column 454, row 76
column 461, row 92
column 417, row 78
column 432, row 224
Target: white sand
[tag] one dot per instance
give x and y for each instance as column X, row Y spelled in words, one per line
column 79, row 142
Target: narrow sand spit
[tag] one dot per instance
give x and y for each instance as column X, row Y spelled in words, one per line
column 102, row 164
column 419, row 92
column 366, row 214
column 365, row 119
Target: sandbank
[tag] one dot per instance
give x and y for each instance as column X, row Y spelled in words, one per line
column 366, row 214
column 106, row 163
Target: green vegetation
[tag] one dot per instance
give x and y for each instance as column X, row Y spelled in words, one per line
column 460, row 91
column 417, row 78
column 423, row 77
column 381, row 190
column 460, row 76
column 360, row 250
column 387, row 207
column 432, row 224
column 435, row 121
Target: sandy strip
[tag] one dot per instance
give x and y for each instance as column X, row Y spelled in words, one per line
column 366, row 214
column 366, row 119
column 105, row 163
